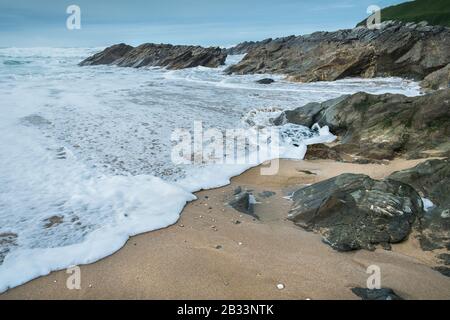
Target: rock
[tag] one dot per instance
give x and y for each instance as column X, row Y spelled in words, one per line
column 439, row 79
column 280, row 286
column 381, row 126
column 158, row 55
column 432, row 180
column 8, row 240
column 237, row 190
column 443, row 270
column 396, row 49
column 376, row 294
column 266, row 194
column 265, row 81
column 53, row 221
column 322, row 151
column 353, row 211
column 244, row 202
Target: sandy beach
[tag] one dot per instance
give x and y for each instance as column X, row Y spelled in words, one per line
column 216, row 252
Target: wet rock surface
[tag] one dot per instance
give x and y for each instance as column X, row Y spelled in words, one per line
column 158, row 55
column 396, row 49
column 353, row 211
column 439, row 79
column 432, row 180
column 7, row 241
column 265, row 81
column 376, row 294
column 244, row 201
column 381, row 127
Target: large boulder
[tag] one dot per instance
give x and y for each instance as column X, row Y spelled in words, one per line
column 353, row 211
column 396, row 49
column 382, row 126
column 159, row 55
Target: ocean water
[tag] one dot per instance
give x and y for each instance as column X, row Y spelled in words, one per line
column 85, row 152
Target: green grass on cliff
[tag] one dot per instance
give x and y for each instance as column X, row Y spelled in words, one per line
column 435, row 12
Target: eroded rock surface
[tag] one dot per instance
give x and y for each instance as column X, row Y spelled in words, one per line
column 353, row 211
column 397, row 49
column 381, row 126
column 158, row 55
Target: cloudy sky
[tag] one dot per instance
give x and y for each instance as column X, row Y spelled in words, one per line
column 28, row 23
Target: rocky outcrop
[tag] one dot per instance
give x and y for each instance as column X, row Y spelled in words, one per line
column 432, row 180
column 353, row 211
column 396, row 49
column 381, row 126
column 158, row 55
column 439, row 79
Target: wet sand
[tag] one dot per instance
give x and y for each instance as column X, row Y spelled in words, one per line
column 215, row 252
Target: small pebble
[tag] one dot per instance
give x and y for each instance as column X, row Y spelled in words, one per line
column 240, row 243
column 280, row 286
column 181, row 225
column 218, row 246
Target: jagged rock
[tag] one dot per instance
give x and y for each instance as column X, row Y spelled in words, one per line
column 322, row 151
column 432, row 180
column 396, row 49
column 265, row 81
column 160, row 55
column 382, row 126
column 439, row 79
column 244, row 202
column 376, row 294
column 353, row 211
column 246, row 46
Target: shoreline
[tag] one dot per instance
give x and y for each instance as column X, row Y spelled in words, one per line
column 216, row 252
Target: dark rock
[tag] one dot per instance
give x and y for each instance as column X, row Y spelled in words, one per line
column 443, row 270
column 237, row 190
column 244, row 202
column 382, row 126
column 432, row 180
column 265, row 81
column 7, row 241
column 396, row 49
column 445, row 258
column 266, row 194
column 376, row 294
column 353, row 211
column 158, row 55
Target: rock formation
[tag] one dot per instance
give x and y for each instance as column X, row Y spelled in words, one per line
column 353, row 211
column 381, row 126
column 160, row 55
column 406, row 50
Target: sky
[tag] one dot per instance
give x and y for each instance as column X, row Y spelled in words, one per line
column 42, row 23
